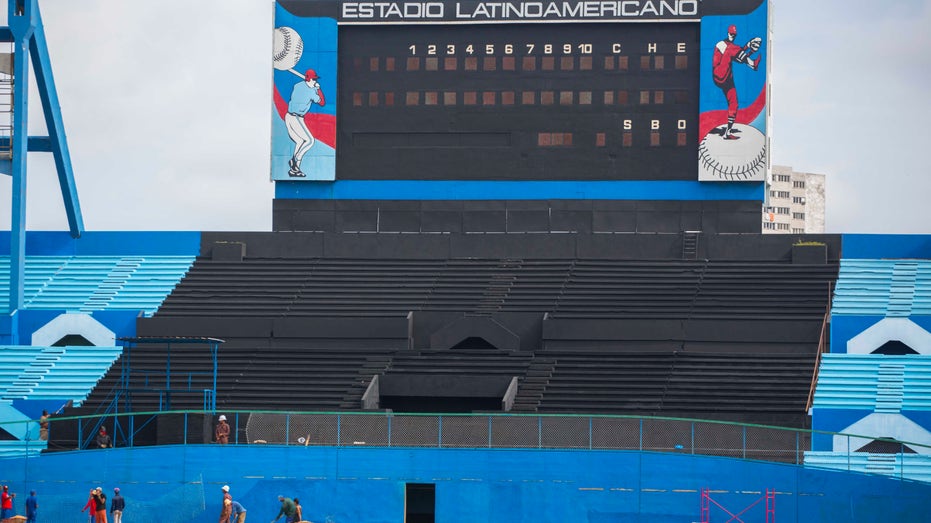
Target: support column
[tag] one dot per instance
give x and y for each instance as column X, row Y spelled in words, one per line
column 20, row 17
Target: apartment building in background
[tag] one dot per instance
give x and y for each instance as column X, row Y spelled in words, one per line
column 795, row 203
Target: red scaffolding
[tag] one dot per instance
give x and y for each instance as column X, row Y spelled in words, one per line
column 707, row 502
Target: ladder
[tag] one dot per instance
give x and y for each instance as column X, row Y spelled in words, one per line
column 6, row 102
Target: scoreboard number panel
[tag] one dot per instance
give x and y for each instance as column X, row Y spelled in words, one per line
column 588, row 92
column 518, row 102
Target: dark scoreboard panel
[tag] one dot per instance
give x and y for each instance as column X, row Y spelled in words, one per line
column 583, row 101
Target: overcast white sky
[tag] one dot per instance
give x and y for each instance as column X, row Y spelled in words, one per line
column 166, row 109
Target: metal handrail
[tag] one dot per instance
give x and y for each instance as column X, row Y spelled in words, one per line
column 452, row 434
column 822, row 346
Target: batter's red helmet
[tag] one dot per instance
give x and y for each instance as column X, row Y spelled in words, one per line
column 732, row 30
column 310, row 75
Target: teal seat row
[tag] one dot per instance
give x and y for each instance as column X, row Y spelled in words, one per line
column 68, row 373
column 92, row 283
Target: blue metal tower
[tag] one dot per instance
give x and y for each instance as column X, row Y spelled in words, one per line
column 27, row 36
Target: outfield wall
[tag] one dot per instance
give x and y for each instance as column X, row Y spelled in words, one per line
column 365, row 484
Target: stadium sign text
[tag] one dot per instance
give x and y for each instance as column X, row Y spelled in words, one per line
column 518, row 11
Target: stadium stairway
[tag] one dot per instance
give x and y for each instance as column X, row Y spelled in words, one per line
column 94, row 283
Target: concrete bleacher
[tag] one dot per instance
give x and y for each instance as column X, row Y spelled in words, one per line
column 358, row 286
column 875, row 382
column 66, row 373
column 875, row 395
column 892, row 288
column 461, row 374
column 23, row 431
column 763, row 388
column 587, row 288
column 760, row 387
column 93, row 283
column 695, row 289
column 915, row 467
column 248, row 377
column 45, row 374
column 337, row 320
column 459, row 363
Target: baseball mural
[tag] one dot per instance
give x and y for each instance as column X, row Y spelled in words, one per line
column 732, row 133
column 303, row 118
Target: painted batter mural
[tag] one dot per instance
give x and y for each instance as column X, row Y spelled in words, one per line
column 732, row 124
column 304, row 112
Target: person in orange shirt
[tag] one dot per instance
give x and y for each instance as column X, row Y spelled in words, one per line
column 100, row 506
column 223, row 431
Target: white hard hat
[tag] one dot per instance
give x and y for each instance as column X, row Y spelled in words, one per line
column 222, row 417
column 226, row 488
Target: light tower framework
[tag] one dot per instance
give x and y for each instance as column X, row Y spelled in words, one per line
column 27, row 35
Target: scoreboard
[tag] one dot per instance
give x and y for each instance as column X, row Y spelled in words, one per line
column 629, row 90
column 512, row 102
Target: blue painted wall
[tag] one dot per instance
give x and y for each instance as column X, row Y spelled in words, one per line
column 121, row 322
column 103, row 243
column 360, row 484
column 832, row 420
column 845, row 328
column 518, row 190
column 878, row 246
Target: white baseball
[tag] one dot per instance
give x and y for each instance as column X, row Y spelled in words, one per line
column 734, row 160
column 287, row 48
